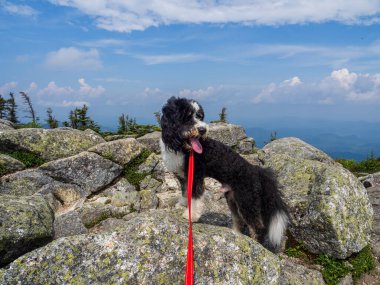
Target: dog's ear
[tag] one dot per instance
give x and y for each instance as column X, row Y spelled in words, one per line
column 170, row 125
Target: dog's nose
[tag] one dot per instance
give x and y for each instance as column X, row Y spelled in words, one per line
column 202, row 130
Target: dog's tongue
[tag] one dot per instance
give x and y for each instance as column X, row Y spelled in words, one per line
column 196, row 145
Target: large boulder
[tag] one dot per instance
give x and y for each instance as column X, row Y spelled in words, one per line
column 88, row 170
column 226, row 133
column 329, row 208
column 119, row 151
column 6, row 125
column 25, row 223
column 148, row 249
column 50, row 144
column 24, row 183
column 8, row 164
column 151, row 141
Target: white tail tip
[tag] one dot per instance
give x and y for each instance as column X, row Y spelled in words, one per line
column 277, row 227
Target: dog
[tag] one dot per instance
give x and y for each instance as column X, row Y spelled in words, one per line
column 251, row 191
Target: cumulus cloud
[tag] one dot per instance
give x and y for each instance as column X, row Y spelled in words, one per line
column 126, row 16
column 67, row 96
column 73, row 58
column 22, row 10
column 86, row 89
column 340, row 86
column 8, row 87
column 201, row 93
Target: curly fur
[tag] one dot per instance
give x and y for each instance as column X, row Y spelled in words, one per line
column 251, row 191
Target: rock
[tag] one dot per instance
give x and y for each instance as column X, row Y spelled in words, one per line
column 168, row 199
column 68, row 224
column 374, row 197
column 123, row 194
column 151, row 141
column 119, row 151
column 92, row 213
column 88, row 170
column 118, row 137
column 50, row 144
column 246, row 146
column 108, row 225
column 6, row 125
column 24, row 183
column 226, row 133
column 149, row 200
column 149, row 183
column 66, row 193
column 8, row 164
column 329, row 208
column 297, row 149
column 297, row 274
column 370, row 180
column 148, row 249
column 25, row 224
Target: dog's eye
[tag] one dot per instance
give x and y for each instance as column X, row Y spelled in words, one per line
column 199, row 116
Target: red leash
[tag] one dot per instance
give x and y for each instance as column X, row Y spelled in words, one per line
column 189, row 276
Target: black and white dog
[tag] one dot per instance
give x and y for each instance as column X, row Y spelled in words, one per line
column 251, row 191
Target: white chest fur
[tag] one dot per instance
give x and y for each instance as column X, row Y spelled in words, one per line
column 174, row 162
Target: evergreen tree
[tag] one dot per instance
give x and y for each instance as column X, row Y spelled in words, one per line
column 223, row 115
column 123, row 128
column 12, row 116
column 78, row 119
column 29, row 106
column 52, row 122
column 157, row 115
column 3, row 109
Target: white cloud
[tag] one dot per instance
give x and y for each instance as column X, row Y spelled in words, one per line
column 169, row 58
column 344, row 78
column 126, row 16
column 201, row 93
column 73, row 58
column 67, row 96
column 340, row 86
column 86, row 89
column 22, row 10
column 8, row 87
column 52, row 89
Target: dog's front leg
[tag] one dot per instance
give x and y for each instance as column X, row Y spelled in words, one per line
column 196, row 200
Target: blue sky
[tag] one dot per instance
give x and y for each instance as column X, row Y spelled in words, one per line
column 263, row 60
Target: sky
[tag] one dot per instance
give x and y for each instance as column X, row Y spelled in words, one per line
column 265, row 61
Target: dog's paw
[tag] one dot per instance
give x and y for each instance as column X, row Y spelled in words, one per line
column 194, row 215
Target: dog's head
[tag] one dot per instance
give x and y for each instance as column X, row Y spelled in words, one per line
column 182, row 125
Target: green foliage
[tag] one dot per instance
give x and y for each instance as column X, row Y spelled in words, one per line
column 223, row 115
column 78, row 119
column 272, row 137
column 52, row 122
column 30, row 159
column 157, row 115
column 29, row 107
column 3, row 170
column 130, row 171
column 297, row 251
column 369, row 165
column 28, row 125
column 362, row 262
column 333, row 269
column 8, row 108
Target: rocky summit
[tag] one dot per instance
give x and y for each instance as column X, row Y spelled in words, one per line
column 96, row 211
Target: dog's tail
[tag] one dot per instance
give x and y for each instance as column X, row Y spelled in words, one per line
column 274, row 209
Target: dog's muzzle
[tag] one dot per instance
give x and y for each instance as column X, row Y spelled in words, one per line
column 202, row 131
